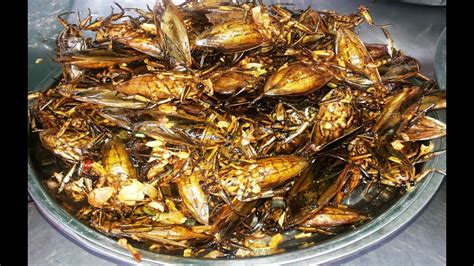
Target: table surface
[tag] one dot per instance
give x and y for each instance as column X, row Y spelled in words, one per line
column 414, row 28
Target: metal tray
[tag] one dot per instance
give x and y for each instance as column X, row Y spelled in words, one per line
column 386, row 223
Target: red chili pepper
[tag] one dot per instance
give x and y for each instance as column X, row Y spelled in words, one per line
column 87, row 165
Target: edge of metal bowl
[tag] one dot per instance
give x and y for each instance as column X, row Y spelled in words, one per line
column 440, row 60
column 381, row 227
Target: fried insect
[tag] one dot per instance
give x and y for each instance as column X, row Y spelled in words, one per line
column 252, row 180
column 221, row 129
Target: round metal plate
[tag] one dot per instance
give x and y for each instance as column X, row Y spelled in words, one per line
column 379, row 228
column 382, row 226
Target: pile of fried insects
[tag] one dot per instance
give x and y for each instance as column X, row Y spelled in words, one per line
column 219, row 129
